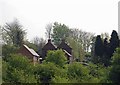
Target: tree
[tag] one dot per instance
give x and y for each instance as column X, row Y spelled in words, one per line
column 18, row 69
column 98, row 49
column 1, row 70
column 77, row 50
column 31, row 45
column 77, row 73
column 39, row 43
column 7, row 50
column 98, row 73
column 115, row 67
column 48, row 30
column 60, row 31
column 93, row 57
column 57, row 57
column 105, row 58
column 14, row 33
column 114, row 42
column 80, row 42
column 45, row 72
column 105, row 35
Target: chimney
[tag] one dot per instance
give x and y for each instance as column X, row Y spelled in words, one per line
column 49, row 40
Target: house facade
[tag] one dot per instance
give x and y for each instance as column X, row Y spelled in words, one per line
column 66, row 48
column 28, row 52
column 49, row 46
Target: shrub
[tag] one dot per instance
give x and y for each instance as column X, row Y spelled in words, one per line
column 114, row 74
column 18, row 69
column 57, row 57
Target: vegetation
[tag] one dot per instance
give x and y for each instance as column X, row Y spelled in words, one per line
column 59, row 32
column 57, row 57
column 14, row 33
column 101, row 64
column 104, row 50
column 18, row 69
column 115, row 67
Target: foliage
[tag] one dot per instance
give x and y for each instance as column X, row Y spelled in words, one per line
column 37, row 44
column 114, row 42
column 104, row 49
column 77, row 50
column 80, row 42
column 55, row 69
column 82, row 37
column 18, row 69
column 98, row 49
column 7, row 50
column 0, row 70
column 14, row 33
column 98, row 72
column 59, row 79
column 45, row 72
column 99, row 46
column 105, row 57
column 77, row 71
column 31, row 45
column 57, row 57
column 60, row 31
column 4, row 71
column 115, row 67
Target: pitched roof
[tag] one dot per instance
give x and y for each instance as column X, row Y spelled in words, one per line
column 31, row 50
column 67, row 53
column 63, row 45
column 49, row 45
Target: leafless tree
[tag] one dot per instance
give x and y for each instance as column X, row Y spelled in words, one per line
column 48, row 30
column 105, row 35
column 39, row 42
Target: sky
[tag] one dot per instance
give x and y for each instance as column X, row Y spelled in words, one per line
column 95, row 16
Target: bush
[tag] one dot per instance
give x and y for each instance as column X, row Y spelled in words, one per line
column 18, row 69
column 98, row 73
column 45, row 72
column 57, row 57
column 7, row 50
column 77, row 72
column 59, row 79
column 114, row 74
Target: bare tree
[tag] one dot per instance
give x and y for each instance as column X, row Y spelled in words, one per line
column 105, row 35
column 39, row 42
column 36, row 41
column 82, row 37
column 48, row 30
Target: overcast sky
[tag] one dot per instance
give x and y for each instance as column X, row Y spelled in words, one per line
column 95, row 16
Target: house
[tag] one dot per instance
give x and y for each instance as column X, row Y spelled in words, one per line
column 28, row 52
column 66, row 48
column 46, row 48
column 49, row 46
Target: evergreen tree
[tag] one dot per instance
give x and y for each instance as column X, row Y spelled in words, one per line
column 98, row 49
column 14, row 33
column 114, row 42
column 105, row 52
